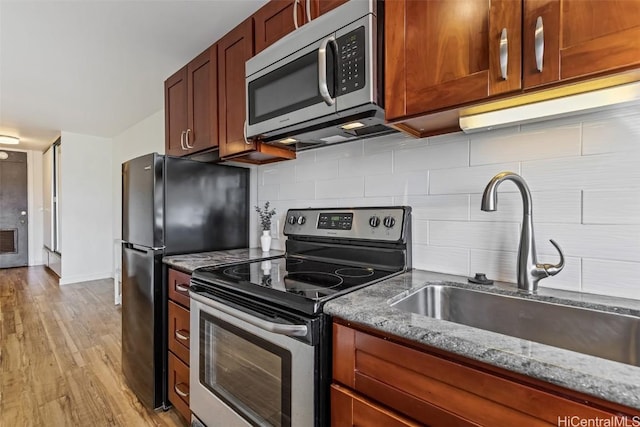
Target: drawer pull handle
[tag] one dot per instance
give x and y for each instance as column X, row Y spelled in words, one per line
column 182, row 288
column 182, row 335
column 178, row 390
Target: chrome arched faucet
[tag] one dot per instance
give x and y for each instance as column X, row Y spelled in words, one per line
column 529, row 271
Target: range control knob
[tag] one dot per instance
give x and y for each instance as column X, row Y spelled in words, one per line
column 389, row 221
column 292, row 220
column 301, row 220
column 374, row 221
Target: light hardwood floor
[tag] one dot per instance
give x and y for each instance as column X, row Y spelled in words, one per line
column 60, row 355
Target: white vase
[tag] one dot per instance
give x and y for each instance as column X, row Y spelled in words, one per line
column 265, row 241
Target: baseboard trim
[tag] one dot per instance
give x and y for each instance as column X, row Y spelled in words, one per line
column 67, row 280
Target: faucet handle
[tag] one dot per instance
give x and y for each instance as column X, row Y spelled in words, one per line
column 550, row 269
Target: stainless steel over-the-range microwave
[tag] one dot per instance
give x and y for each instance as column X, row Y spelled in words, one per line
column 323, row 83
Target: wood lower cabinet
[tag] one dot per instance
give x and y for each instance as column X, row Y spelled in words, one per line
column 179, row 386
column 179, row 339
column 437, row 389
column 191, row 106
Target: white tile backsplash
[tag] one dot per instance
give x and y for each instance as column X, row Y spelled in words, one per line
column 532, row 145
column 436, row 156
column 466, row 180
column 584, row 173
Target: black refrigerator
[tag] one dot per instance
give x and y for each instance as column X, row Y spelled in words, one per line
column 170, row 206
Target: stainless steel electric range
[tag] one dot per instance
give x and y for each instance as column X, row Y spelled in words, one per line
column 262, row 357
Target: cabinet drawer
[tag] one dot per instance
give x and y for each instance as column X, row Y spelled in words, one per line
column 179, row 331
column 349, row 409
column 179, row 287
column 179, row 386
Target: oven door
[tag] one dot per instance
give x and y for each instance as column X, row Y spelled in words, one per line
column 247, row 371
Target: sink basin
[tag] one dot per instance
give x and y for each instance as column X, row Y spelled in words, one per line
column 603, row 334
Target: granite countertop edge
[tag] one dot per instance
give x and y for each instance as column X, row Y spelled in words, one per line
column 188, row 263
column 608, row 380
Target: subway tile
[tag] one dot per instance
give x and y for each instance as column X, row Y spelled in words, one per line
column 366, row 201
column 395, row 141
column 420, row 231
column 611, row 207
column 441, row 259
column 466, row 180
column 297, row 190
column 268, row 192
column 614, row 242
column 437, row 156
column 375, row 164
column 341, row 151
column 276, row 174
column 404, row 184
column 604, row 171
column 496, row 236
column 540, row 144
column 553, row 206
column 312, row 171
column 340, row 188
column 569, row 279
column 448, row 138
column 616, row 134
column 442, row 207
column 497, row 265
column 608, row 277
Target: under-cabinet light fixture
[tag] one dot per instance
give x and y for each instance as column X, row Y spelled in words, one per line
column 288, row 141
column 5, row 139
column 551, row 108
column 352, row 125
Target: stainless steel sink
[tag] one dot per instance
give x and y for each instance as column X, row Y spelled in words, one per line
column 603, row 334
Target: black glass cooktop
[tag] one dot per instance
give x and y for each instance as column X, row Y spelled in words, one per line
column 292, row 279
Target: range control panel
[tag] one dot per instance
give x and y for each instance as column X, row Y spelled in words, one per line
column 384, row 223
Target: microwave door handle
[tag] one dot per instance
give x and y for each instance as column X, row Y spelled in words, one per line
column 276, row 328
column 322, row 70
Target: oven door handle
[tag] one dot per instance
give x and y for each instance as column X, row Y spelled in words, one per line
column 276, row 328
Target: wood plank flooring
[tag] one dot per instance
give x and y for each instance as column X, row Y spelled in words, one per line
column 60, row 355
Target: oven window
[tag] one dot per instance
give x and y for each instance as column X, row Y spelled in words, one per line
column 289, row 88
column 250, row 374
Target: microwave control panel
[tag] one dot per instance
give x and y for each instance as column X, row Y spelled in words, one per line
column 351, row 62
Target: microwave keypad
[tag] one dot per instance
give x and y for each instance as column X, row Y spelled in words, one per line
column 351, row 62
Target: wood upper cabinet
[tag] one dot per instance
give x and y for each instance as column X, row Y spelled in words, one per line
column 572, row 39
column 443, row 53
column 276, row 19
column 191, row 106
column 175, row 110
column 234, row 50
column 320, row 7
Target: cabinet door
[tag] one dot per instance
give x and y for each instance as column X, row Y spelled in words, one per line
column 580, row 38
column 276, row 19
column 202, row 105
column 320, row 7
column 234, row 49
column 446, row 53
column 179, row 386
column 175, row 111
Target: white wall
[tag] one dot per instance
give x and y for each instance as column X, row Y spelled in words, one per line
column 85, row 208
column 584, row 173
column 142, row 138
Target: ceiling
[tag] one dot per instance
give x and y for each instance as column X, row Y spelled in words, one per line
column 98, row 67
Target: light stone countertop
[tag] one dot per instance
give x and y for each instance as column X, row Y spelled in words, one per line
column 189, row 262
column 612, row 381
